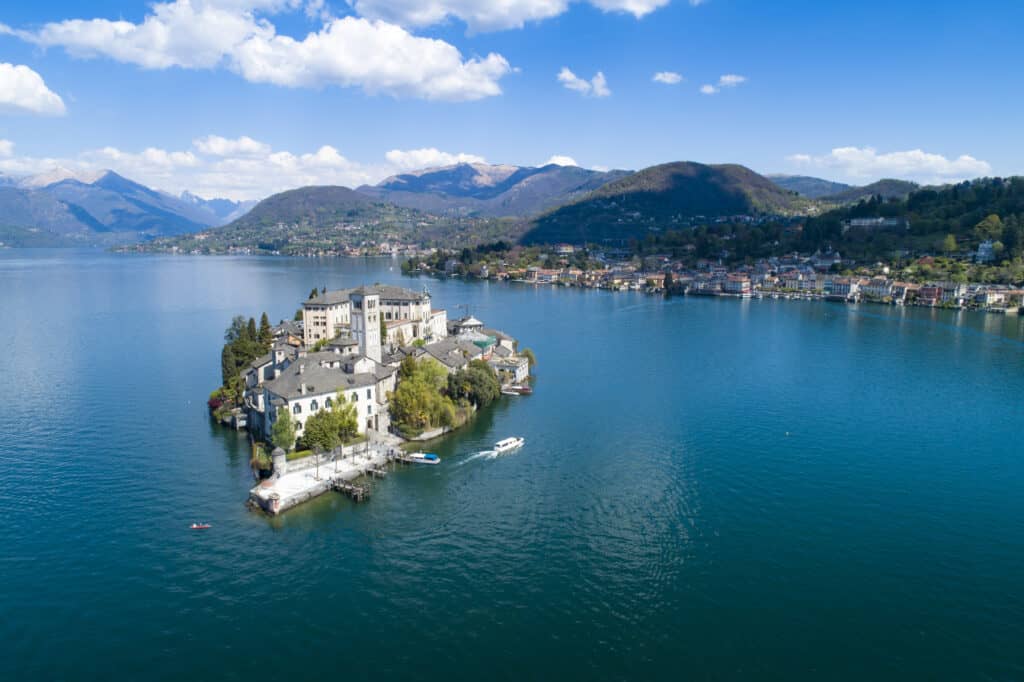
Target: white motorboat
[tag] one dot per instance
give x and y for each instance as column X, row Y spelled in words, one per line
column 507, row 444
column 425, row 458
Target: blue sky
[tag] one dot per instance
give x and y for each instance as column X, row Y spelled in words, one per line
column 242, row 98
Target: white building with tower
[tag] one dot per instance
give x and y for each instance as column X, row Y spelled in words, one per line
column 329, row 314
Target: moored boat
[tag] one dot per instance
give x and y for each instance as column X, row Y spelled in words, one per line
column 199, row 526
column 507, row 444
column 424, row 458
column 517, row 389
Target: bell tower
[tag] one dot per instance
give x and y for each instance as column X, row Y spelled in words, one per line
column 366, row 322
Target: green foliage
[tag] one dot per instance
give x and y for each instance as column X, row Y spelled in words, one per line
column 328, row 428
column 282, row 433
column 260, row 458
column 663, row 197
column 243, row 344
column 529, row 355
column 236, row 330
column 346, row 418
column 418, row 403
column 228, row 364
column 949, row 243
column 477, row 384
column 991, row 227
column 321, row 431
column 266, row 335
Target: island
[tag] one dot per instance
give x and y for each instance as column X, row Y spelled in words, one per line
column 334, row 394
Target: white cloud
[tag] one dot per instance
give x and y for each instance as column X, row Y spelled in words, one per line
column 484, row 15
column 667, row 77
column 239, row 168
column 349, row 52
column 22, row 90
column 729, row 80
column 379, row 57
column 866, row 164
column 428, row 157
column 595, row 87
column 560, row 160
column 221, row 146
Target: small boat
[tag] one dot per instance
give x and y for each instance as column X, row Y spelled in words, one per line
column 507, row 444
column 425, row 458
column 199, row 526
column 517, row 389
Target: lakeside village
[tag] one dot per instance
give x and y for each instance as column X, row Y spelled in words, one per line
column 821, row 275
column 335, row 393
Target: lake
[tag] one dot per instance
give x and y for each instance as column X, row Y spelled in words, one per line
column 711, row 489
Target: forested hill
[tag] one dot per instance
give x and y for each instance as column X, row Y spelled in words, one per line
column 663, row 197
column 990, row 208
column 886, row 188
column 310, row 205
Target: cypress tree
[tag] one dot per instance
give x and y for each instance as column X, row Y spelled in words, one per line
column 266, row 336
column 228, row 365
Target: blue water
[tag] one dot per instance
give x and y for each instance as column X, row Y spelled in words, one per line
column 710, row 490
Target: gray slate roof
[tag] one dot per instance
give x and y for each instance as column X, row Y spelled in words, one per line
column 453, row 352
column 385, row 291
column 318, row 380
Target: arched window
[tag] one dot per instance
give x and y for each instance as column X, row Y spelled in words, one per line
column 297, row 409
column 328, row 403
column 355, row 397
column 298, row 426
column 314, row 406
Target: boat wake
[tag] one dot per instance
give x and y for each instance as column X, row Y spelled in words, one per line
column 483, row 454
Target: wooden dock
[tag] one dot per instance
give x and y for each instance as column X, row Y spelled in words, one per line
column 356, row 491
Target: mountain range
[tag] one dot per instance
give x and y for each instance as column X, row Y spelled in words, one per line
column 489, row 190
column 62, row 207
column 546, row 203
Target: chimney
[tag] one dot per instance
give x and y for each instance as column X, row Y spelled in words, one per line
column 302, row 367
column 302, row 388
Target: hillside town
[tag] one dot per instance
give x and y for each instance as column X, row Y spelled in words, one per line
column 821, row 275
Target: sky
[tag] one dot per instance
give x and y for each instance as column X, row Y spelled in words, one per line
column 244, row 98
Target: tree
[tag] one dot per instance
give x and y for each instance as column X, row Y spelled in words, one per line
column 477, row 383
column 250, row 331
column 236, row 330
column 228, row 366
column 418, row 404
column 949, row 244
column 528, row 354
column 282, row 433
column 346, row 418
column 266, row 335
column 991, row 227
column 322, row 431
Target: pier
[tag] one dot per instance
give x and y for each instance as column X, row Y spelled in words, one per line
column 295, row 482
